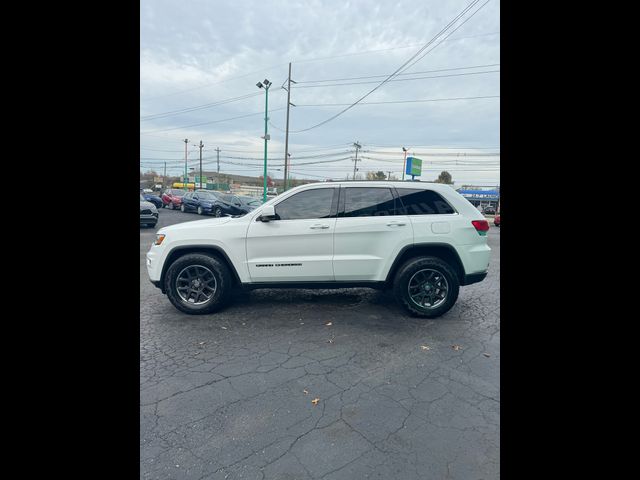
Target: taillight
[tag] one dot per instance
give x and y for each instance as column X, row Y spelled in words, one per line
column 481, row 226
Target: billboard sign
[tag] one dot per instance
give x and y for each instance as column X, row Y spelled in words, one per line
column 414, row 166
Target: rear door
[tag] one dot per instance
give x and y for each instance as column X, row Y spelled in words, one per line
column 298, row 245
column 369, row 233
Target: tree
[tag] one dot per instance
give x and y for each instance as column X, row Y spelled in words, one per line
column 444, row 177
column 376, row 175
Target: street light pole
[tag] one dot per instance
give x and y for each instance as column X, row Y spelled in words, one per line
column 404, row 163
column 266, row 84
column 200, row 146
column 186, row 141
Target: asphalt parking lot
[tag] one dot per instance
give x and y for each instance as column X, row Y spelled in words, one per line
column 229, row 396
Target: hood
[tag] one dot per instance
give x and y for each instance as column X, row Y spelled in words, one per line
column 146, row 205
column 210, row 222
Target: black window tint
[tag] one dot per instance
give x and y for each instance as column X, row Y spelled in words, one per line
column 423, row 202
column 368, row 202
column 314, row 203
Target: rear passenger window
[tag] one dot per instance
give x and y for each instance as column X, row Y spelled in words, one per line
column 423, row 202
column 368, row 202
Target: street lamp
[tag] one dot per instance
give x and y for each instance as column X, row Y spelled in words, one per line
column 265, row 84
column 404, row 163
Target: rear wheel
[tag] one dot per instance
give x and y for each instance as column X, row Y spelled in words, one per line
column 426, row 286
column 198, row 284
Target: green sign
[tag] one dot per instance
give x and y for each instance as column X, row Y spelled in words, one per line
column 414, row 166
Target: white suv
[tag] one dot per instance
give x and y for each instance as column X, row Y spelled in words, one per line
column 423, row 240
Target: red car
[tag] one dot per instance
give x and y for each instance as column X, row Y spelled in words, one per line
column 496, row 220
column 172, row 198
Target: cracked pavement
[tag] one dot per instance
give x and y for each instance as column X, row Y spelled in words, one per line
column 223, row 396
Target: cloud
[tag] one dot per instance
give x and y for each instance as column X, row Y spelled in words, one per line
column 198, row 52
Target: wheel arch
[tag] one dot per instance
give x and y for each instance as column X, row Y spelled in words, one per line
column 213, row 250
column 443, row 251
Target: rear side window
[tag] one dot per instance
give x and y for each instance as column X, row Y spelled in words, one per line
column 314, row 203
column 368, row 202
column 423, row 202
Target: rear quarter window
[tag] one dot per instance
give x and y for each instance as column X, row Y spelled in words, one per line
column 423, row 202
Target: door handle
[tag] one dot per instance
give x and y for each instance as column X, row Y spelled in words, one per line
column 318, row 226
column 396, row 224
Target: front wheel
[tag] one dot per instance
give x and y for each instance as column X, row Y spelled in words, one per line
column 198, row 284
column 426, row 286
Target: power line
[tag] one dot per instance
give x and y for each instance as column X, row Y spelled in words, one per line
column 156, row 116
column 414, row 73
column 401, row 79
column 207, row 123
column 398, row 70
column 398, row 101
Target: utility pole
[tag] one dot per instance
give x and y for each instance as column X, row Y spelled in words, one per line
column 388, row 175
column 201, row 145
column 286, row 138
column 218, row 170
column 186, row 142
column 355, row 165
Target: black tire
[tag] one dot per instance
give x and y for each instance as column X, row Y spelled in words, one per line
column 223, row 277
column 218, row 212
column 413, row 266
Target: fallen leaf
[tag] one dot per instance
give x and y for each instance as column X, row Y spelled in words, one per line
column 329, row 324
column 486, row 355
column 315, row 401
column 456, row 347
column 305, row 391
column 425, row 347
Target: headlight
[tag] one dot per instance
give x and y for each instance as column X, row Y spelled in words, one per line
column 159, row 238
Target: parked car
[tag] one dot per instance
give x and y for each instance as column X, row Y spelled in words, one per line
column 156, row 200
column 148, row 213
column 172, row 198
column 496, row 220
column 489, row 211
column 201, row 201
column 347, row 234
column 236, row 205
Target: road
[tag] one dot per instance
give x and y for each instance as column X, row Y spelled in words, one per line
column 229, row 396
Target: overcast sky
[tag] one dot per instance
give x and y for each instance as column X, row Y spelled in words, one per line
column 194, row 53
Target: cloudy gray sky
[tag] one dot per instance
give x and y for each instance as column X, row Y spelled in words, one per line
column 200, row 62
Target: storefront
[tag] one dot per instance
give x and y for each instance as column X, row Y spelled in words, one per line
column 481, row 198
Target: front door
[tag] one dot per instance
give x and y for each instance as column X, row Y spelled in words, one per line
column 298, row 245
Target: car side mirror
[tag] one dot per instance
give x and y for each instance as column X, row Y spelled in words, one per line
column 268, row 213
